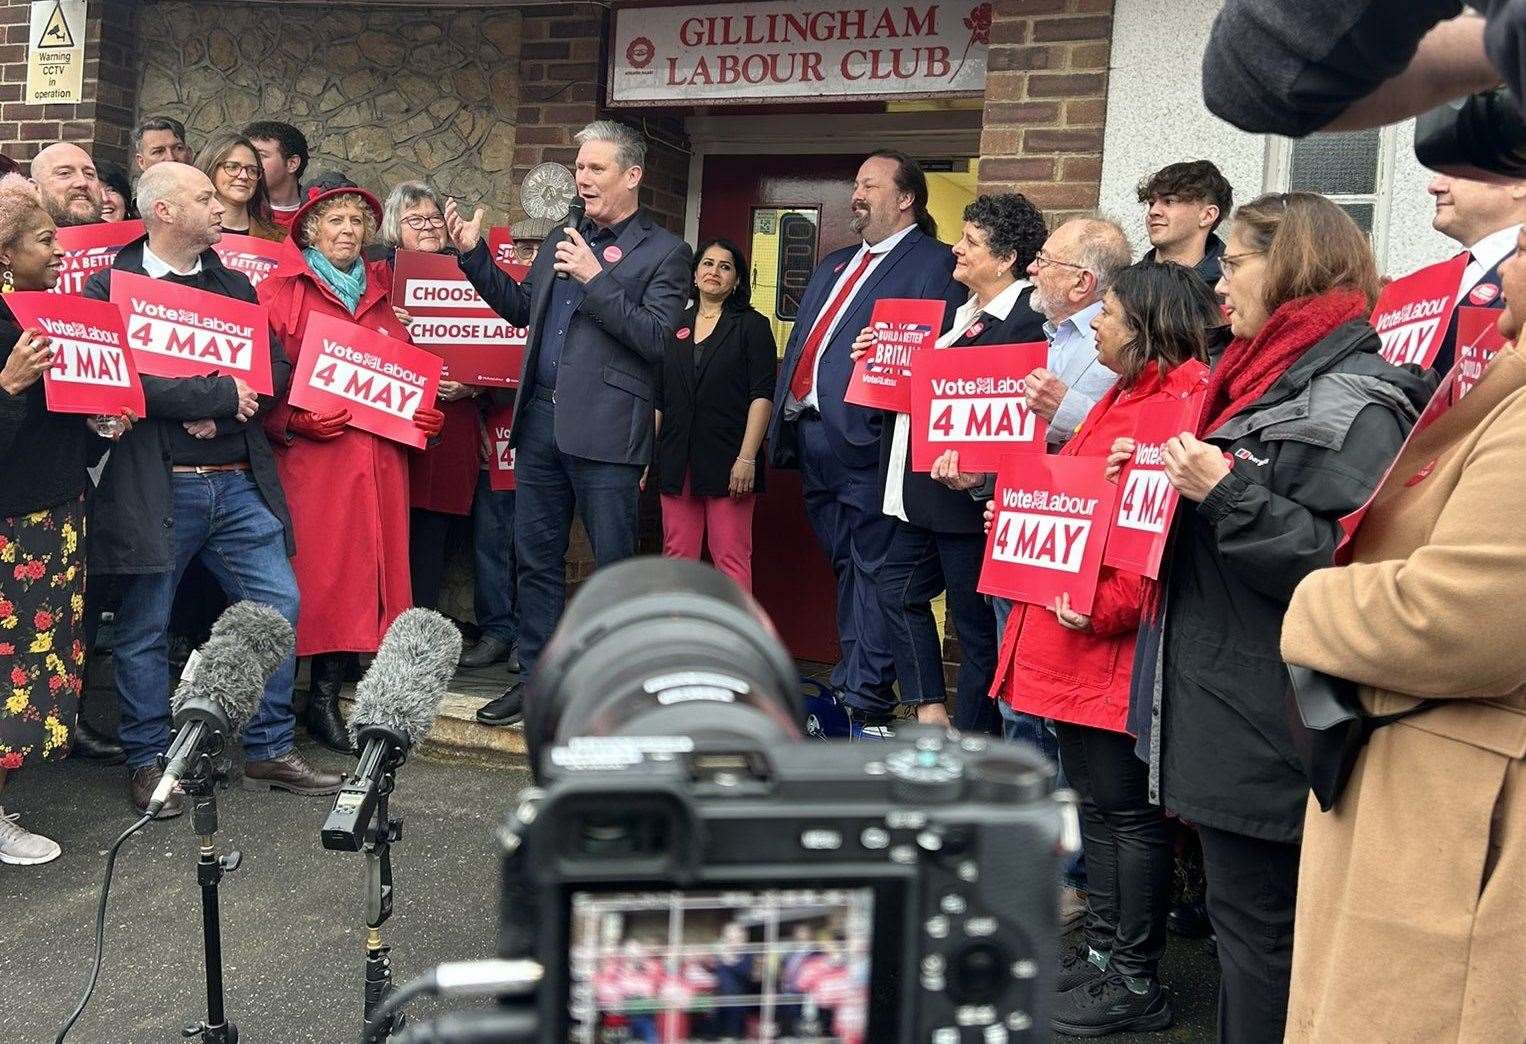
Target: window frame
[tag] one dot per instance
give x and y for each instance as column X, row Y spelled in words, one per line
column 1279, row 168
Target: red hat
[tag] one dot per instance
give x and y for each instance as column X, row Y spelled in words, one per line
column 330, row 186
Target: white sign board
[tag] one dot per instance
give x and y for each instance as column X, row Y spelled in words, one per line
column 755, row 53
column 55, row 61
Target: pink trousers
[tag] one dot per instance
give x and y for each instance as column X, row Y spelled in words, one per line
column 686, row 519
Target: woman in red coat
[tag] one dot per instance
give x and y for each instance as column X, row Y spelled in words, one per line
column 347, row 489
column 1153, row 331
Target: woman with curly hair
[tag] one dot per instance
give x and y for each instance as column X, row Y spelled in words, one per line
column 43, row 457
column 938, row 541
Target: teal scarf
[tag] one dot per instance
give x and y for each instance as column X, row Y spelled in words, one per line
column 350, row 286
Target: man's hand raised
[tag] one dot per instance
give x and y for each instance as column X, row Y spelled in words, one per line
column 464, row 234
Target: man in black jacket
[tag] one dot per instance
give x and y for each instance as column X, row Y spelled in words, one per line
column 196, row 479
column 600, row 301
column 1184, row 205
column 1485, row 218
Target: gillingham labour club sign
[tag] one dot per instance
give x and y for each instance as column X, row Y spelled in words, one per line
column 763, row 52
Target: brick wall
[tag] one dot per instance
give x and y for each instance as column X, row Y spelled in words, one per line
column 102, row 121
column 1045, row 102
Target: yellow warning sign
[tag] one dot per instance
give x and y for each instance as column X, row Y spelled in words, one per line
column 56, row 52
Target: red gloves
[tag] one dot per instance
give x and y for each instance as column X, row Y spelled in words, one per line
column 430, row 422
column 320, row 427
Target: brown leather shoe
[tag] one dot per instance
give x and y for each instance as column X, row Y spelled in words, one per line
column 140, row 791
column 290, row 773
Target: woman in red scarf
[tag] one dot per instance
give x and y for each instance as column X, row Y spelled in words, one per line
column 1153, row 331
column 1302, row 418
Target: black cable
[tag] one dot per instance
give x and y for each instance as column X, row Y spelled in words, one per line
column 100, row 927
column 400, row 997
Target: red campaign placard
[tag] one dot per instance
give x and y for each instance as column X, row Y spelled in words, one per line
column 882, row 375
column 90, row 248
column 178, row 331
column 1478, row 342
column 1412, row 313
column 92, row 369
column 1049, row 529
column 453, row 321
column 1146, row 499
column 971, row 400
column 254, row 257
column 382, row 381
column 500, row 244
column 500, row 467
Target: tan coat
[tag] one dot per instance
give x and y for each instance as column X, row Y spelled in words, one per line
column 1411, row 921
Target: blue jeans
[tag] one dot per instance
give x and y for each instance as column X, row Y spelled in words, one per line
column 551, row 485
column 493, row 593
column 221, row 519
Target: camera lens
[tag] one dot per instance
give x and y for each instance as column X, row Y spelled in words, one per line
column 978, row 974
column 663, row 647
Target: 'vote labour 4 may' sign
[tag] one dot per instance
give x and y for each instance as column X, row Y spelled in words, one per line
column 500, row 475
column 453, row 321
column 882, row 375
column 1412, row 313
column 1048, row 529
column 92, row 368
column 1146, row 499
column 253, row 257
column 1478, row 342
column 971, row 400
column 90, row 248
column 382, row 381
column 178, row 331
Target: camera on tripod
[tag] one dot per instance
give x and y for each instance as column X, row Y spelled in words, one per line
column 689, row 866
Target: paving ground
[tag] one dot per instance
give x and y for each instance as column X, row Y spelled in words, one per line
column 293, row 914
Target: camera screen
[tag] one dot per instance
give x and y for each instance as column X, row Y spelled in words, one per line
column 778, row 965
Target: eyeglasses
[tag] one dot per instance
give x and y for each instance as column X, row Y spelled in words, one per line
column 234, row 169
column 1044, row 261
column 1231, row 263
column 419, row 223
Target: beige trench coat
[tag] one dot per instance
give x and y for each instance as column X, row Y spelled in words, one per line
column 1411, row 923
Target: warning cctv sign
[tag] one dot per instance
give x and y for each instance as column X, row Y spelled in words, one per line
column 55, row 66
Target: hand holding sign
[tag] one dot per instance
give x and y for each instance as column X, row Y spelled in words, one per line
column 946, row 470
column 1117, row 456
column 430, row 421
column 574, row 258
column 1193, row 466
column 1068, row 617
column 320, row 427
column 248, row 400
column 862, row 343
column 29, row 360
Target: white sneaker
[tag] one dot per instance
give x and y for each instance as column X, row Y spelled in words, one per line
column 21, row 847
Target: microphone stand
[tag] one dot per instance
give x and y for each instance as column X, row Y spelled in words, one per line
column 200, row 785
column 381, row 832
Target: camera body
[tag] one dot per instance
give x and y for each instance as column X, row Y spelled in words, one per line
column 903, row 890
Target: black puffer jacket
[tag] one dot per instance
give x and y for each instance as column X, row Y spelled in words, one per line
column 1208, row 692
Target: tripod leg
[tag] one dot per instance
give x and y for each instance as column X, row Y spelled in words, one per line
column 379, row 984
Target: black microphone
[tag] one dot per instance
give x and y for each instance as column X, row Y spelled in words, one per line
column 575, row 211
column 395, row 704
column 221, row 686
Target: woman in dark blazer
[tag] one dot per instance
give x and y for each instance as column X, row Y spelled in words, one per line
column 714, row 395
column 938, row 541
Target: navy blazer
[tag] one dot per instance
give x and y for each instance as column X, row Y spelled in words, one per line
column 918, row 267
column 608, row 370
column 1446, row 355
column 929, row 503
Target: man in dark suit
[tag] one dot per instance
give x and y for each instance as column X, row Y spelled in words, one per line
column 835, row 444
column 1484, row 217
column 600, row 302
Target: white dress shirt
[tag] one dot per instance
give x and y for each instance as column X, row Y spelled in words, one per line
column 878, row 252
column 1487, row 253
column 999, row 307
column 1073, row 359
column 155, row 267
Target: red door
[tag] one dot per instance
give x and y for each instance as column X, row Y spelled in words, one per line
column 786, row 212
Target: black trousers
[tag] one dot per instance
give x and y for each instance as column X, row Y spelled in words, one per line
column 1127, row 844
column 1251, row 887
column 426, row 554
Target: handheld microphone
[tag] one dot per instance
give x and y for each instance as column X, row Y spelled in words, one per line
column 221, row 687
column 395, row 704
column 575, row 211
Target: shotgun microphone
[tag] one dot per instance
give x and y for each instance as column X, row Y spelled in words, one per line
column 221, row 686
column 574, row 219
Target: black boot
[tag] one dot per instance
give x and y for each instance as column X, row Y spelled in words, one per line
column 322, row 718
column 95, row 746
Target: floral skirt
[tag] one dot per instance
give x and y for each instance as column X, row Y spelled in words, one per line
column 42, row 647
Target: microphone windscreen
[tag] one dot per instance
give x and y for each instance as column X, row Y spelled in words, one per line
column 405, row 684
column 248, row 642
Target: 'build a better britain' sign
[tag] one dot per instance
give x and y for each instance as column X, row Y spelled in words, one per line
column 766, row 52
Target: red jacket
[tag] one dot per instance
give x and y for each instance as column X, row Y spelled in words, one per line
column 349, row 496
column 1082, row 677
column 443, row 476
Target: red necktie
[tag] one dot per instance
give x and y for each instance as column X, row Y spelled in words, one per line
column 805, row 370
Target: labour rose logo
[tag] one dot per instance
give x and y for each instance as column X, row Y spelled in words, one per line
column 640, row 53
column 979, row 25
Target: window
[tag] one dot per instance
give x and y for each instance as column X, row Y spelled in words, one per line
column 1353, row 169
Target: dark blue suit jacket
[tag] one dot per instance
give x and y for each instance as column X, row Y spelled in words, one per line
column 608, row 372
column 918, row 267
